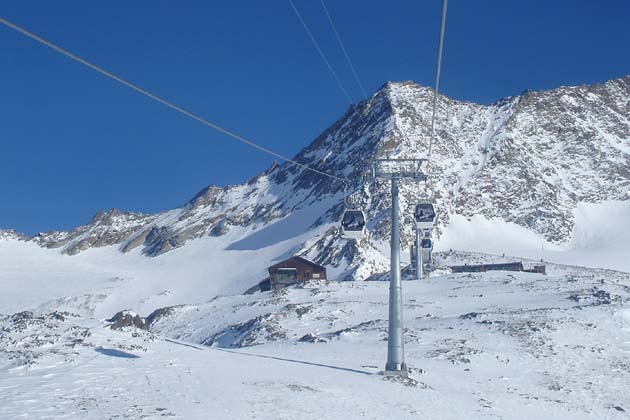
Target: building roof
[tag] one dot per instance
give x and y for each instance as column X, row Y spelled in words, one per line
column 490, row 266
column 297, row 258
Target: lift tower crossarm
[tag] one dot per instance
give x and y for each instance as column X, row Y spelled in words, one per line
column 399, row 168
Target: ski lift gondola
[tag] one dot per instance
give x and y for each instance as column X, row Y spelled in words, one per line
column 425, row 215
column 353, row 224
column 353, row 221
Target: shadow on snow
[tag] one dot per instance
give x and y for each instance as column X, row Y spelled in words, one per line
column 116, row 353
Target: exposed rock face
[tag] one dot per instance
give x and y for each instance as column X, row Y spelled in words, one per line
column 106, row 228
column 125, row 319
column 552, row 150
column 526, row 159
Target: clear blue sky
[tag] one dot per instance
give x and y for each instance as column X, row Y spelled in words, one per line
column 73, row 142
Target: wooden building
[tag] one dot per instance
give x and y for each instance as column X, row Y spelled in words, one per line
column 292, row 271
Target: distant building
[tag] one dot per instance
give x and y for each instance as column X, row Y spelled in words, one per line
column 482, row 268
column 511, row 266
column 540, row 269
column 292, row 271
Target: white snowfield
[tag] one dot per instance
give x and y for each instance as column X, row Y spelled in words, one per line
column 492, row 345
column 600, row 237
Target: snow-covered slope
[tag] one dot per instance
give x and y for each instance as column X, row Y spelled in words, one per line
column 600, row 237
column 484, row 345
column 101, row 281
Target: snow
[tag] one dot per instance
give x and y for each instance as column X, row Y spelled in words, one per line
column 103, row 280
column 491, row 236
column 497, row 345
column 624, row 317
column 600, row 237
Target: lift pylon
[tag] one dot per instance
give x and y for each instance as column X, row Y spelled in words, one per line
column 396, row 170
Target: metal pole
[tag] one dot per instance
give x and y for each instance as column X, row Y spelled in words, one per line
column 429, row 262
column 418, row 255
column 395, row 346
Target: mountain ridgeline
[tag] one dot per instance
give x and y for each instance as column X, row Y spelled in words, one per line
column 527, row 159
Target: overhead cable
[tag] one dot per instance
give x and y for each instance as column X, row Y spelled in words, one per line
column 345, row 53
column 161, row 100
column 437, row 81
column 321, row 53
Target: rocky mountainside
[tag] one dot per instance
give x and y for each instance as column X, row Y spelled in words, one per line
column 527, row 159
column 105, row 228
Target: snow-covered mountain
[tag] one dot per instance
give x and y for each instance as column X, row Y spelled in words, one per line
column 547, row 168
column 528, row 159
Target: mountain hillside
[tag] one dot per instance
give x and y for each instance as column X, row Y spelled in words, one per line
column 528, row 159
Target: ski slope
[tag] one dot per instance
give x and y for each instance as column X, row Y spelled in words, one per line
column 485, row 345
column 103, row 281
column 600, row 237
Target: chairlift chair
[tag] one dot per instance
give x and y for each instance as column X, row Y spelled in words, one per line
column 425, row 215
column 353, row 224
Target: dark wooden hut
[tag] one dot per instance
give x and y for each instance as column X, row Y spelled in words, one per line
column 294, row 270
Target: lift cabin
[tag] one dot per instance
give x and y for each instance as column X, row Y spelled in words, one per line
column 353, row 224
column 425, row 215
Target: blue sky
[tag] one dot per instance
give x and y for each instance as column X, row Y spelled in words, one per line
column 73, row 142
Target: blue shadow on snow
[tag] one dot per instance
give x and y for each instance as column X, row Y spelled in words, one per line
column 116, row 353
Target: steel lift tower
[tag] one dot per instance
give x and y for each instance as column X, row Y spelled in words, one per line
column 396, row 170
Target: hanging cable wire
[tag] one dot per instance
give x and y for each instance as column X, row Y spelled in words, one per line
column 437, row 83
column 345, row 53
column 162, row 101
column 361, row 118
column 321, row 53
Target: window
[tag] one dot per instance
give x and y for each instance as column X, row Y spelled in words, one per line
column 286, row 276
column 315, row 275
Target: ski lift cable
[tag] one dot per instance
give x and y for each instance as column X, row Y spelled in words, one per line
column 437, row 83
column 345, row 53
column 321, row 53
column 347, row 56
column 164, row 101
column 356, row 110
